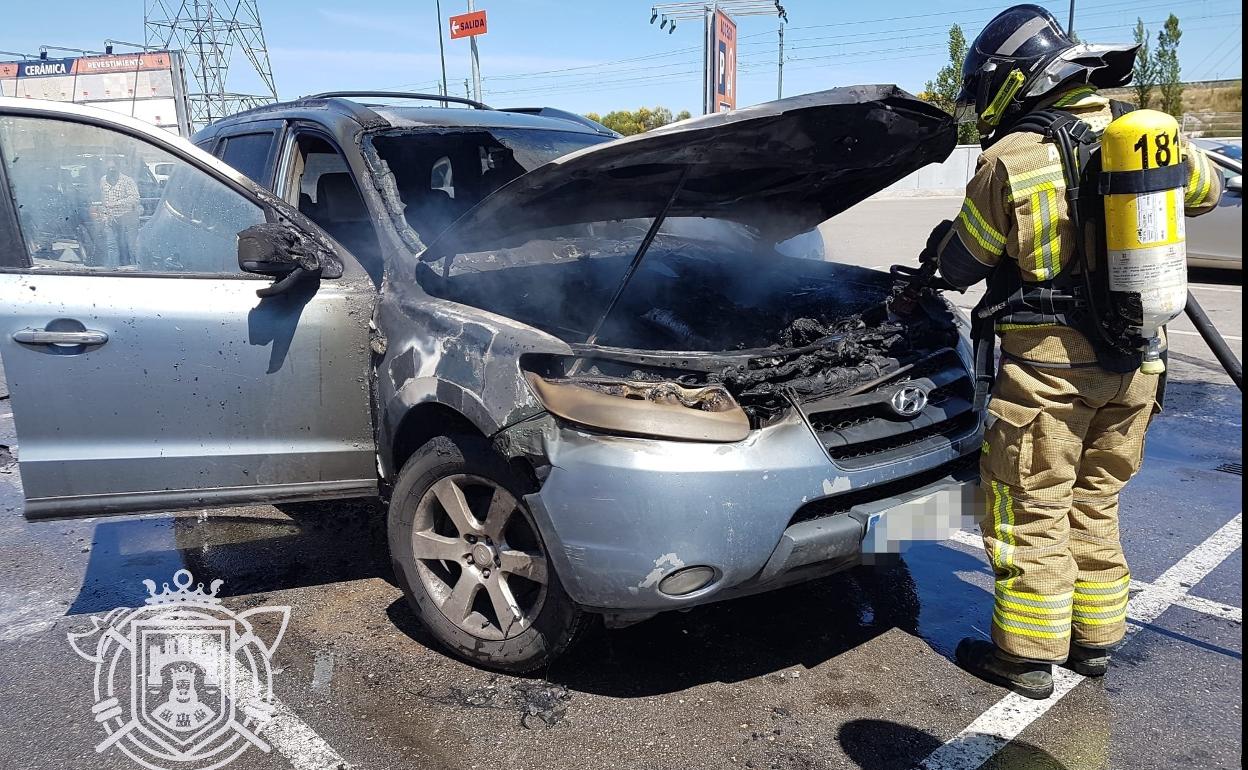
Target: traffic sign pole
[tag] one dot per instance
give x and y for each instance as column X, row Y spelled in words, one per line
column 476, row 61
column 442, row 50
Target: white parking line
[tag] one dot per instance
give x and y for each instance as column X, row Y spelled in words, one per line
column 967, row 538
column 1224, row 289
column 299, row 743
column 1210, row 607
column 1186, row 333
column 1003, row 721
column 285, row 731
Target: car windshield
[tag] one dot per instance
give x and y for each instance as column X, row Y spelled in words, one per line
column 441, row 174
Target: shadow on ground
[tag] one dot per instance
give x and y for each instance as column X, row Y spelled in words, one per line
column 733, row 641
column 1215, row 276
column 876, row 744
column 302, row 545
column 804, row 625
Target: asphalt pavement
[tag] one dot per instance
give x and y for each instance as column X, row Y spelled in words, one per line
column 853, row 671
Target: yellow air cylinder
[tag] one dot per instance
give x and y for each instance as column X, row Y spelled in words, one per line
column 1142, row 182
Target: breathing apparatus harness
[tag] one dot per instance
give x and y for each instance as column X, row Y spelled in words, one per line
column 1078, row 296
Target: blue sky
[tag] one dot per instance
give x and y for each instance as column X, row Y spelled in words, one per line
column 600, row 55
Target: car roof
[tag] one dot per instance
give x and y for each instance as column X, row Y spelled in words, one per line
column 343, row 115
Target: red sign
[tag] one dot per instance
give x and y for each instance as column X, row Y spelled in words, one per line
column 468, row 25
column 722, row 68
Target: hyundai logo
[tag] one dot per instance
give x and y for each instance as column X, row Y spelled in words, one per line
column 908, row 400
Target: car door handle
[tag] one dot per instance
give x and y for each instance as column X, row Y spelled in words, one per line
column 45, row 337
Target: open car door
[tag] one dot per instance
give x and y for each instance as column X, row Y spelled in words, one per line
column 145, row 372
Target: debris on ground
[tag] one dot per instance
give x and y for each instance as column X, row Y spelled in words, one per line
column 540, row 704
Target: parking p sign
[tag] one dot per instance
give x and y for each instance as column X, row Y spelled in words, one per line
column 722, row 67
column 468, row 25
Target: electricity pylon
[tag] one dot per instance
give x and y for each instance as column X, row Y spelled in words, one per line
column 207, row 32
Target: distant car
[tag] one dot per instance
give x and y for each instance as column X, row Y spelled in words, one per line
column 1230, row 149
column 1217, row 239
column 161, row 171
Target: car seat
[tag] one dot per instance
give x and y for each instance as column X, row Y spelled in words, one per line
column 341, row 212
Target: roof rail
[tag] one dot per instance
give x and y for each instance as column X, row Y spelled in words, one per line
column 400, row 95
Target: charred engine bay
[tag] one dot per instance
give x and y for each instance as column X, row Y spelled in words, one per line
column 818, row 355
column 768, row 328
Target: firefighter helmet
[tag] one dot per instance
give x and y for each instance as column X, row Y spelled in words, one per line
column 1024, row 55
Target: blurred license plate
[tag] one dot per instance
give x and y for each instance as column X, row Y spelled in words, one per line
column 933, row 515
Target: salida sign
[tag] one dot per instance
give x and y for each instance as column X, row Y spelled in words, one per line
column 468, row 25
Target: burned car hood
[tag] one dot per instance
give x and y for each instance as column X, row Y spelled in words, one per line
column 781, row 167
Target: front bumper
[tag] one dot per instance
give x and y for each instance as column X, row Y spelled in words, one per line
column 619, row 514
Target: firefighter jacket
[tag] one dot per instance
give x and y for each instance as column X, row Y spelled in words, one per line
column 1016, row 209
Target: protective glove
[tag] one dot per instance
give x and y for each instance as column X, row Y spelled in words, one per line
column 930, row 251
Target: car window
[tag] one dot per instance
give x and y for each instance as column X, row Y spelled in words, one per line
column 249, row 153
column 329, row 196
column 440, row 175
column 88, row 200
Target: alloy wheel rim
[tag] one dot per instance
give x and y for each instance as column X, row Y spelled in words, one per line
column 479, row 557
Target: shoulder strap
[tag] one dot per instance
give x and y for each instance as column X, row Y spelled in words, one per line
column 1117, row 109
column 1051, row 123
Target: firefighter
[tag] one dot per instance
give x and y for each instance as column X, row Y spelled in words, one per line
column 1070, row 402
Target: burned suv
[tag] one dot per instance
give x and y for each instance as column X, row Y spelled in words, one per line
column 591, row 375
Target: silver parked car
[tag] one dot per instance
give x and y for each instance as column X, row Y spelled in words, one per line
column 575, row 366
column 1217, row 239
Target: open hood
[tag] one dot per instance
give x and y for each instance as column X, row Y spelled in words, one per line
column 781, row 167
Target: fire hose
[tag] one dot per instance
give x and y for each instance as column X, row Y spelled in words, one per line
column 1209, row 333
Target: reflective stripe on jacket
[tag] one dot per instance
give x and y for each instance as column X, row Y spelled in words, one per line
column 1015, row 208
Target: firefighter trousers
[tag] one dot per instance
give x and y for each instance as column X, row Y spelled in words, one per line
column 1060, row 445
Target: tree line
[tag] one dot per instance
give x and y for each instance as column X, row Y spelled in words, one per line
column 629, row 122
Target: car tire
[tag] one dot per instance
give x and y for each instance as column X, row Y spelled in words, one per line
column 486, row 591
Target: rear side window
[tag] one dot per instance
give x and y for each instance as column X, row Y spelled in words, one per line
column 249, row 153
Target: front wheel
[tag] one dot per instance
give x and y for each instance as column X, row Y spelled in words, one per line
column 470, row 560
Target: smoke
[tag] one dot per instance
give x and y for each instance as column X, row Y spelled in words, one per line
column 691, row 291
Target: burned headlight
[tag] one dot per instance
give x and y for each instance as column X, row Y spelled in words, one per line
column 656, row 409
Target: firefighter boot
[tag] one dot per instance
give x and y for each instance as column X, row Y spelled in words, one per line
column 1029, row 679
column 1091, row 662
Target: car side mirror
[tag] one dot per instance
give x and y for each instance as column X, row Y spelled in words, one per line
column 1236, row 184
column 279, row 251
